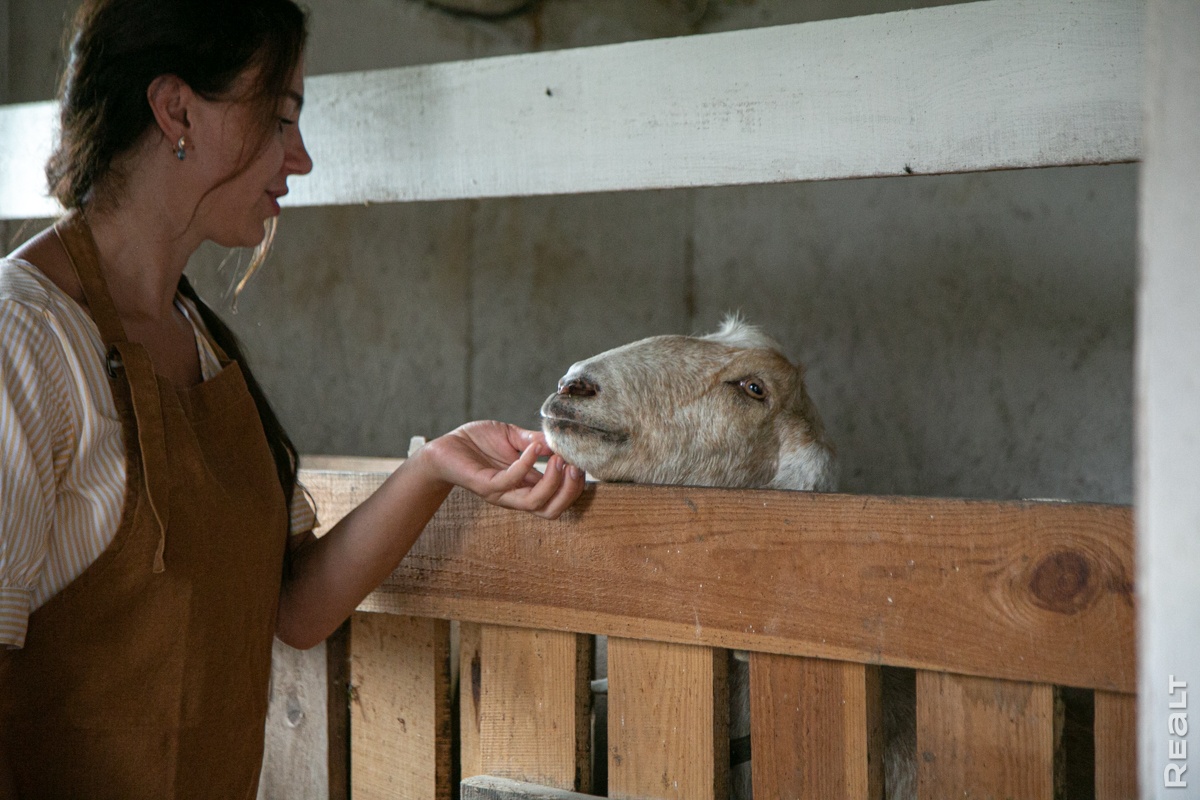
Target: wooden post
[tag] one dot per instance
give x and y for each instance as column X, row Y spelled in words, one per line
column 470, row 693
column 984, row 738
column 1168, row 415
column 668, row 726
column 400, row 708
column 816, row 728
column 1115, row 727
column 533, row 707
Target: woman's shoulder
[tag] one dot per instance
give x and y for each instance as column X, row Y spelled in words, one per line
column 22, row 282
column 33, row 308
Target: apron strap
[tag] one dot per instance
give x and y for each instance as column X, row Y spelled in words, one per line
column 76, row 238
column 130, row 358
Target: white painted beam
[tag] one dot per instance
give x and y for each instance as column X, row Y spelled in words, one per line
column 1168, row 354
column 987, row 85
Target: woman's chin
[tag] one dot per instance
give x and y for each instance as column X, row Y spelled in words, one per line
column 247, row 238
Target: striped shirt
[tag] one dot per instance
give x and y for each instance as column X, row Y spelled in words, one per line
column 62, row 454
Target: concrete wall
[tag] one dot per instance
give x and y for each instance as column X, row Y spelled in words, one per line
column 965, row 335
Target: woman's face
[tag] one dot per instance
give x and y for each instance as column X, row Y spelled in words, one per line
column 233, row 212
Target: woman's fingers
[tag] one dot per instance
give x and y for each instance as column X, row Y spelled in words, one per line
column 568, row 492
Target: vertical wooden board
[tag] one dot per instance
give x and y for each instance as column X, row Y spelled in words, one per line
column 668, row 726
column 816, row 728
column 400, row 708
column 1115, row 730
column 1168, row 417
column 470, row 683
column 337, row 669
column 983, row 738
column 296, row 745
column 534, row 706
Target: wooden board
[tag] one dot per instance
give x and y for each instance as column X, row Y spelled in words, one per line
column 1115, row 727
column 984, row 738
column 1168, row 416
column 534, row 704
column 487, row 787
column 668, row 721
column 816, row 728
column 470, row 695
column 987, row 85
column 1029, row 591
column 295, row 760
column 400, row 708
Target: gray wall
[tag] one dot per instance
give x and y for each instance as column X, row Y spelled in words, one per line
column 965, row 335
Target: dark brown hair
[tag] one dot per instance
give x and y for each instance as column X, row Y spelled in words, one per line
column 117, row 48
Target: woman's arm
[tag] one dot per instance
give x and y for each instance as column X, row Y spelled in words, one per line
column 330, row 576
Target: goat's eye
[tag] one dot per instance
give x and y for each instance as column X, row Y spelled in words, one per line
column 753, row 388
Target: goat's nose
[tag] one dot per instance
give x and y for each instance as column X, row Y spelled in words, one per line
column 577, row 387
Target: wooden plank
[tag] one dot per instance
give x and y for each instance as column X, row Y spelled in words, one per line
column 1024, row 590
column 984, row 738
column 816, row 728
column 1115, row 731
column 533, row 713
column 988, row 85
column 400, row 708
column 488, row 787
column 668, row 721
column 470, row 693
column 1168, row 416
column 337, row 681
column 296, row 752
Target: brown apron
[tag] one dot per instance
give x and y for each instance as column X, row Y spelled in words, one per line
column 147, row 676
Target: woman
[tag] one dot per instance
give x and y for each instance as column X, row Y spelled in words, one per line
column 148, row 489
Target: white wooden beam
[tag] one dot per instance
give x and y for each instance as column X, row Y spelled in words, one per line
column 1168, row 353
column 987, row 85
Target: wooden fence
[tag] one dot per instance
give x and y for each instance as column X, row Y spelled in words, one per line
column 1017, row 618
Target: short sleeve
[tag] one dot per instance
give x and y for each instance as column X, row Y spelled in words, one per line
column 35, row 447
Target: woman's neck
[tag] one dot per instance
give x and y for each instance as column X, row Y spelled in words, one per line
column 144, row 248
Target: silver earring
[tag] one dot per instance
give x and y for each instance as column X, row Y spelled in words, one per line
column 180, row 153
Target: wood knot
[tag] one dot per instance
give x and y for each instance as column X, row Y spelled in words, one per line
column 1062, row 582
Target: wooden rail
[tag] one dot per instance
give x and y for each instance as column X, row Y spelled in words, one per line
column 987, row 85
column 997, row 605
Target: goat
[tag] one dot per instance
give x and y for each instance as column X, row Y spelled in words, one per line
column 726, row 409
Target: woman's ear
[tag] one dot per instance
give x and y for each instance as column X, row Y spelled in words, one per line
column 170, row 100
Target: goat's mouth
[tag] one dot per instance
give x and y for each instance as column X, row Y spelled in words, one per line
column 573, row 427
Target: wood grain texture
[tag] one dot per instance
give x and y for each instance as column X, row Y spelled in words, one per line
column 470, row 695
column 1025, row 591
column 400, row 708
column 534, row 706
column 984, row 739
column 296, row 750
column 990, row 85
column 1115, row 726
column 668, row 721
column 488, row 787
column 816, row 728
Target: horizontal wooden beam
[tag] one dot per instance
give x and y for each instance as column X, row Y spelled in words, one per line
column 978, row 86
column 488, row 787
column 1031, row 591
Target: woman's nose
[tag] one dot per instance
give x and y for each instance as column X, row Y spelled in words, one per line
column 297, row 160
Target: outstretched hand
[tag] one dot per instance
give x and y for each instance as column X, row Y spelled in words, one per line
column 496, row 461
